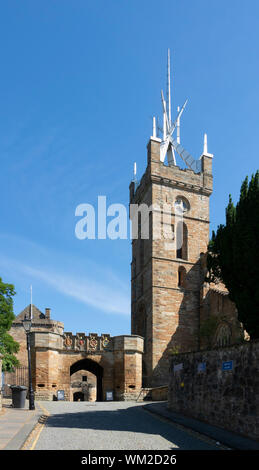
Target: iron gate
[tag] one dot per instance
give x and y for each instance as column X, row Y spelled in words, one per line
column 18, row 377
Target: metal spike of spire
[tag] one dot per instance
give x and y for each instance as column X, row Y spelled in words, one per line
column 154, row 126
column 170, row 146
column 31, row 312
column 205, row 145
column 135, row 171
column 178, row 127
column 169, row 88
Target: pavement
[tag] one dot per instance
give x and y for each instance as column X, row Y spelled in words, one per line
column 134, row 426
column 16, row 424
column 220, row 435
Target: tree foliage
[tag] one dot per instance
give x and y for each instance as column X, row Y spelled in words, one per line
column 8, row 347
column 233, row 254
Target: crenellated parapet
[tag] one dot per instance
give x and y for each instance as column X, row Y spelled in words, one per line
column 89, row 343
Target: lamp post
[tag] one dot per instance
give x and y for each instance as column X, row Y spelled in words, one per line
column 27, row 326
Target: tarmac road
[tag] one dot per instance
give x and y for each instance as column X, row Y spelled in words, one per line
column 112, row 426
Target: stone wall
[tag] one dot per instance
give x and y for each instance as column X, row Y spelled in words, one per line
column 128, row 350
column 206, row 385
column 159, row 393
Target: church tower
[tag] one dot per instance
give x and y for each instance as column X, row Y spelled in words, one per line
column 166, row 274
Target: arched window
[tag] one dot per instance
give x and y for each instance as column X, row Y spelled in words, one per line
column 182, row 241
column 182, row 204
column 181, row 276
column 223, row 335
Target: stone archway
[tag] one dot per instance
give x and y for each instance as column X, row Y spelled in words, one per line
column 94, row 368
column 78, row 396
column 115, row 362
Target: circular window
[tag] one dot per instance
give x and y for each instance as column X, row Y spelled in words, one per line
column 181, row 204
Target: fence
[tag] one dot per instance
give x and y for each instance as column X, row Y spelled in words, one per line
column 18, row 377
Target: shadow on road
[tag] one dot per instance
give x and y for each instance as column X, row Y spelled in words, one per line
column 129, row 420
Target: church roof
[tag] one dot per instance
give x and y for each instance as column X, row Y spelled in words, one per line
column 36, row 314
column 219, row 291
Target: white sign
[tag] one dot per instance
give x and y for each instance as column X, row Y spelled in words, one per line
column 178, row 367
column 109, row 396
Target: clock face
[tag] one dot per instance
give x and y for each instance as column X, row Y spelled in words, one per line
column 182, row 205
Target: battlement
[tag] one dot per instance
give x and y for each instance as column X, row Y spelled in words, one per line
column 89, row 343
column 158, row 172
column 92, row 343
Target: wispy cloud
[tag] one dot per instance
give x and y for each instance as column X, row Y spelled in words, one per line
column 104, row 297
column 101, row 288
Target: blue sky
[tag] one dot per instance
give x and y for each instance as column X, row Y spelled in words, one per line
column 80, row 82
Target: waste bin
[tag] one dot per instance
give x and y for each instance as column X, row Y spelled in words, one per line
column 18, row 395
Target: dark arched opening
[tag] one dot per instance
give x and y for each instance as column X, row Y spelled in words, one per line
column 181, row 276
column 95, row 368
column 78, row 396
column 182, row 241
column 141, row 330
column 144, row 373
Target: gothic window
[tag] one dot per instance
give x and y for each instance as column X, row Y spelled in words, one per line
column 181, row 204
column 182, row 241
column 223, row 335
column 150, row 224
column 144, row 372
column 139, row 226
column 181, row 276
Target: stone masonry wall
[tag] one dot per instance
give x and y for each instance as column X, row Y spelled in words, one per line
column 159, row 393
column 203, row 385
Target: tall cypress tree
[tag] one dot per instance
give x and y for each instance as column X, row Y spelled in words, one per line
column 233, row 254
column 8, row 347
